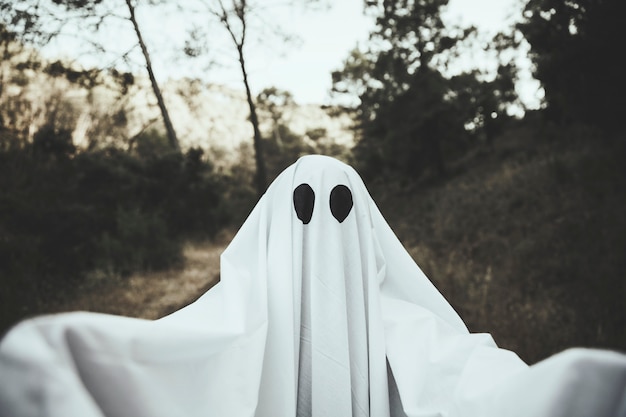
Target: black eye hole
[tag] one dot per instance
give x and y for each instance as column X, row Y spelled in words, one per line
column 340, row 202
column 303, row 202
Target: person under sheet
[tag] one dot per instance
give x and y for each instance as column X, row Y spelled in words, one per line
column 320, row 311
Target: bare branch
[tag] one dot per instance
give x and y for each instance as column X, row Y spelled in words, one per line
column 169, row 127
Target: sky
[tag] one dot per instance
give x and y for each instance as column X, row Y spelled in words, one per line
column 328, row 36
column 323, row 40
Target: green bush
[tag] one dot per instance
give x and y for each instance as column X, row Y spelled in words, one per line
column 140, row 241
column 63, row 216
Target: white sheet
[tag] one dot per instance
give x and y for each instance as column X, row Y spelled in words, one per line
column 316, row 314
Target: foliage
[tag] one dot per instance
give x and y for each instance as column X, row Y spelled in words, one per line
column 37, row 95
column 50, row 140
column 40, row 22
column 235, row 21
column 412, row 117
column 64, row 216
column 575, row 48
column 281, row 145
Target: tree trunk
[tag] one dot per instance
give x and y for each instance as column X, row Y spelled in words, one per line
column 261, row 174
column 169, row 127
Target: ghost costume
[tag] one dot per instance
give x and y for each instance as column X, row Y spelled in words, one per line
column 319, row 311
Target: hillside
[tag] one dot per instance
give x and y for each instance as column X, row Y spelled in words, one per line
column 154, row 294
column 526, row 239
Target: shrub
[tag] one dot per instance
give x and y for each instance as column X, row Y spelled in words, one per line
column 62, row 217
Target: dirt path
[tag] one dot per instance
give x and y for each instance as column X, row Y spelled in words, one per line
column 153, row 295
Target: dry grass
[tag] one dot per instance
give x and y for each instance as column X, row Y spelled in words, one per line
column 153, row 295
column 525, row 240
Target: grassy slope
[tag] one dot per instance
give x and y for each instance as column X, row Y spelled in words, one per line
column 527, row 240
column 147, row 295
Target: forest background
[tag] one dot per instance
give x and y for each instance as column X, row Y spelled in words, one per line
column 515, row 214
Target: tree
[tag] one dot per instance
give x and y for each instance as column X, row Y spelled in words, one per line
column 240, row 18
column 274, row 102
column 235, row 21
column 169, row 127
column 575, row 47
column 39, row 22
column 412, row 116
column 402, row 97
column 14, row 63
column 281, row 144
